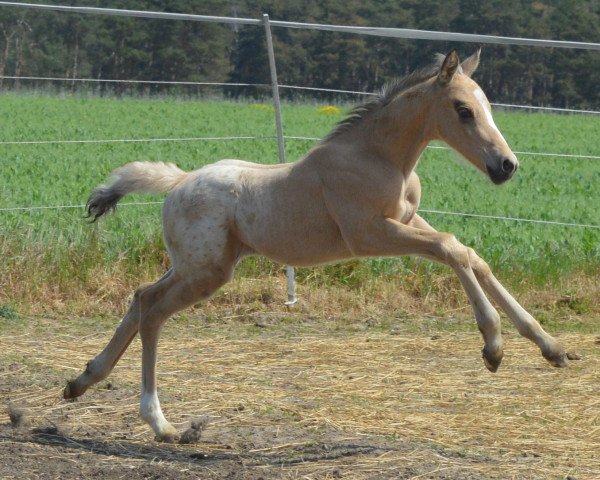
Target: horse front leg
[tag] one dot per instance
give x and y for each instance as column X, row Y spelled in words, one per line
column 526, row 325
column 388, row 237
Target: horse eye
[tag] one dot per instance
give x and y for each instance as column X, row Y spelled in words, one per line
column 464, row 113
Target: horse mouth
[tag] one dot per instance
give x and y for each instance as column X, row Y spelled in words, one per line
column 498, row 179
column 502, row 172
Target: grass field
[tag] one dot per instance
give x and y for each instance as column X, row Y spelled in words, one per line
column 54, row 250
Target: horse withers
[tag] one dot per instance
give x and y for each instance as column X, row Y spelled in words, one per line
column 355, row 194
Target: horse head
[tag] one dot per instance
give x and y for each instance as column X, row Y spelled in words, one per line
column 463, row 119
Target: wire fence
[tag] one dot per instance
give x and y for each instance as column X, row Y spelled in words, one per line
column 25, row 209
column 386, row 32
column 405, row 33
column 138, row 140
column 250, row 137
column 141, row 82
column 422, row 210
column 264, row 85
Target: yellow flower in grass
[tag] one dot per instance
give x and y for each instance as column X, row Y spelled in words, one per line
column 266, row 108
column 330, row 110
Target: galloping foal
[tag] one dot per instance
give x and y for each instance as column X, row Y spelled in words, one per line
column 355, row 194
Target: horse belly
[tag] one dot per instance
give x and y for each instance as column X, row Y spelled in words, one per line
column 299, row 235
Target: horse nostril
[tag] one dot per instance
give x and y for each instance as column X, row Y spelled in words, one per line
column 508, row 166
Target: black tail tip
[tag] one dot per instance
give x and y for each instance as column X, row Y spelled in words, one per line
column 101, row 201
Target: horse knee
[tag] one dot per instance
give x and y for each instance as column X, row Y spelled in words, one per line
column 452, row 252
column 140, row 290
column 480, row 267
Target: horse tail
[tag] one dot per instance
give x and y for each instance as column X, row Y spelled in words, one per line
column 148, row 177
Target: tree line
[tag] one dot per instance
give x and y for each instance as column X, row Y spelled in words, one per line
column 56, row 44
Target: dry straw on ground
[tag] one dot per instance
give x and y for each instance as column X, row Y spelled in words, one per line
column 289, row 397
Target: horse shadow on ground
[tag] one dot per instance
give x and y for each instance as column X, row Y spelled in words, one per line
column 290, row 455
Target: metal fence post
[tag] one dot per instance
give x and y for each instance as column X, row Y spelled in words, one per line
column 291, row 283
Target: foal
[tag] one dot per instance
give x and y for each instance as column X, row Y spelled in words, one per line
column 354, row 195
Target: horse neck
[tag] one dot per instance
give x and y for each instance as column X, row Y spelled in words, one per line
column 401, row 130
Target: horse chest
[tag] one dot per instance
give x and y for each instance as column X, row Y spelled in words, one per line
column 405, row 211
column 406, row 203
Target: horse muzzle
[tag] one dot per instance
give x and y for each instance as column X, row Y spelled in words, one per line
column 502, row 169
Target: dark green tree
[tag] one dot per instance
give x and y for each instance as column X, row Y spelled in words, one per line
column 42, row 43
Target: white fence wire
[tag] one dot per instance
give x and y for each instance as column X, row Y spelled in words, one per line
column 142, row 82
column 264, row 85
column 137, row 140
column 374, row 31
column 405, row 33
column 249, row 137
column 421, row 210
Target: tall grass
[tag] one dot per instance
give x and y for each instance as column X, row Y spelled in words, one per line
column 57, row 251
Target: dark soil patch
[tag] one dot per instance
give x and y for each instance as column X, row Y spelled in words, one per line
column 248, row 453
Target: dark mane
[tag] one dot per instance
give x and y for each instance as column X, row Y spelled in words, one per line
column 386, row 95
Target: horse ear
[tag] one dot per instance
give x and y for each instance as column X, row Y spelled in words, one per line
column 448, row 68
column 470, row 64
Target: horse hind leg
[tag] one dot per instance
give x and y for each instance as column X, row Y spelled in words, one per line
column 158, row 303
column 100, row 367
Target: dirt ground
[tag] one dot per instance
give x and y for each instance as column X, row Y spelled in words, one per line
column 286, row 396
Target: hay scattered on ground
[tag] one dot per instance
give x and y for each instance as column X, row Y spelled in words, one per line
column 317, row 399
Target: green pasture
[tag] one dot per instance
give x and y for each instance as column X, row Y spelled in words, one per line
column 546, row 188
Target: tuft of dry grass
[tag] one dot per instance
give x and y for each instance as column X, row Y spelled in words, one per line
column 194, row 432
column 109, row 291
column 18, row 418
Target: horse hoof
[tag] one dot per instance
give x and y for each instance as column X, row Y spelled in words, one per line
column 559, row 360
column 70, row 392
column 168, row 438
column 492, row 361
